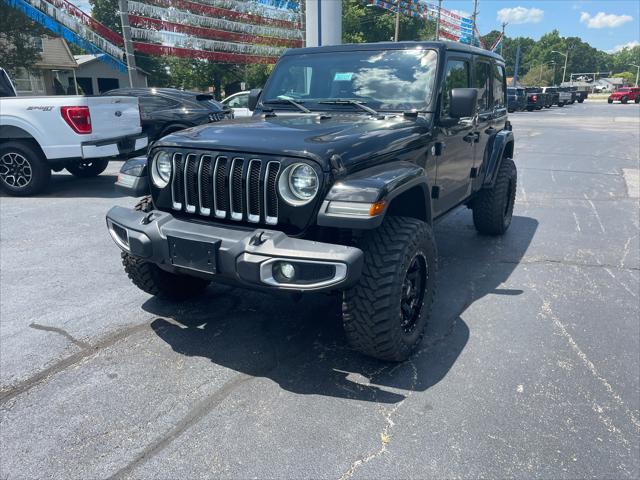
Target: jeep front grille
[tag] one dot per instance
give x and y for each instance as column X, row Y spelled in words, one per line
column 233, row 187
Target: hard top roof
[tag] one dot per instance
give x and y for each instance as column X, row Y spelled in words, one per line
column 439, row 45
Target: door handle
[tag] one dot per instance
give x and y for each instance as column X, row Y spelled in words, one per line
column 472, row 137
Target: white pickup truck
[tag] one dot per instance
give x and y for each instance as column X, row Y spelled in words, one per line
column 81, row 134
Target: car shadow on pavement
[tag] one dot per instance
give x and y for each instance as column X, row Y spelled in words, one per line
column 300, row 344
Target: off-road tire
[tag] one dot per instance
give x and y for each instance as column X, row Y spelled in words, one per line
column 149, row 278
column 624, row 100
column 581, row 100
column 371, row 310
column 33, row 168
column 88, row 168
column 493, row 208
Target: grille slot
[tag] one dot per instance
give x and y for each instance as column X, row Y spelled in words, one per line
column 270, row 193
column 235, row 188
column 227, row 187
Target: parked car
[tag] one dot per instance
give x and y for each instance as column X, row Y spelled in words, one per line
column 552, row 96
column 167, row 110
column 516, row 99
column 81, row 134
column 564, row 96
column 624, row 95
column 535, row 98
column 239, row 103
column 331, row 185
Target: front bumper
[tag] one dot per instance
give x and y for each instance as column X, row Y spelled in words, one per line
column 246, row 257
column 114, row 147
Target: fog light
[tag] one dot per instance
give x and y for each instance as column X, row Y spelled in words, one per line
column 286, row 270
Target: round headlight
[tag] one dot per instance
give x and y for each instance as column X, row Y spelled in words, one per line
column 161, row 169
column 298, row 184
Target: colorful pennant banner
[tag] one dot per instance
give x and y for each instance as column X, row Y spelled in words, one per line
column 69, row 28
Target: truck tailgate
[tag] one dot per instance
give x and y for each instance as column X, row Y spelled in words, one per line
column 114, row 116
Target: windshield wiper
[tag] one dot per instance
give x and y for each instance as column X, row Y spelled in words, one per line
column 290, row 101
column 346, row 101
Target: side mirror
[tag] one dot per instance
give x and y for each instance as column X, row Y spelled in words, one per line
column 254, row 96
column 463, row 102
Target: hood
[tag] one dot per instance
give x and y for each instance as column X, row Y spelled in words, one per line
column 354, row 137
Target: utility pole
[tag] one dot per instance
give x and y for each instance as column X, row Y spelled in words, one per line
column 438, row 21
column 475, row 18
column 128, row 44
column 397, row 19
column 504, row 24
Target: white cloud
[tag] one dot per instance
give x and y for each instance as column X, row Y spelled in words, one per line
column 604, row 20
column 520, row 15
column 617, row 48
column 462, row 13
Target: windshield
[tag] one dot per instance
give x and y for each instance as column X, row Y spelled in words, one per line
column 387, row 80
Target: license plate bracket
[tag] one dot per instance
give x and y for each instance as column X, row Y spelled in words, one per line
column 197, row 255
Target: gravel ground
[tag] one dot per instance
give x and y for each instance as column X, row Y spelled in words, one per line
column 530, row 368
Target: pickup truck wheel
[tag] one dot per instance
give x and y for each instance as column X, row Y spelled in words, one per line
column 624, row 100
column 637, row 100
column 88, row 168
column 386, row 313
column 493, row 208
column 23, row 169
column 609, row 100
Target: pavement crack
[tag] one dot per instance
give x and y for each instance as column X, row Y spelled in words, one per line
column 387, row 414
column 9, row 393
column 547, row 312
column 62, row 332
column 194, row 416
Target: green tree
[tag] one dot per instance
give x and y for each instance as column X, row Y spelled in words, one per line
column 629, row 77
column 361, row 23
column 16, row 37
column 538, row 76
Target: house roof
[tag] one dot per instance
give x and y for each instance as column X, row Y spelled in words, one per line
column 613, row 80
column 84, row 59
column 56, row 55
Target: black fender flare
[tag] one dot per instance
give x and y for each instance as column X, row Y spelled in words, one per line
column 496, row 148
column 381, row 183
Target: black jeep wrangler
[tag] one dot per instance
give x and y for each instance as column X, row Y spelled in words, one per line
column 352, row 154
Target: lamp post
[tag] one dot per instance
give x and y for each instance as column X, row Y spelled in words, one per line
column 397, row 20
column 637, row 71
column 566, row 57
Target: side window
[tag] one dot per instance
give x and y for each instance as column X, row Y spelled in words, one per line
column 481, row 82
column 457, row 76
column 152, row 103
column 498, row 87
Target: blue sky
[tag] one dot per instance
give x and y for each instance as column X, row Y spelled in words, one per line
column 604, row 24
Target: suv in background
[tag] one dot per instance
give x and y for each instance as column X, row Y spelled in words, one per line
column 625, row 94
column 167, row 110
column 552, row 96
column 535, row 98
column 332, row 185
column 516, row 99
column 239, row 103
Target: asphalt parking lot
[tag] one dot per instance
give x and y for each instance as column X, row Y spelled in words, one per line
column 531, row 366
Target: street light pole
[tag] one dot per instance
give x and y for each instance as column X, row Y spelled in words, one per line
column 637, row 71
column 566, row 58
column 397, row 20
column 438, row 20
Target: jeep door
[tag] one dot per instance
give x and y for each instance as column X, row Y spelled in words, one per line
column 454, row 165
column 481, row 81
